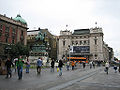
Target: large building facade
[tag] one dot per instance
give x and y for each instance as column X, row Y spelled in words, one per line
column 12, row 31
column 83, row 44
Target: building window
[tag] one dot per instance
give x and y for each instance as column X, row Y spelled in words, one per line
column 6, row 40
column 13, row 40
column 63, row 43
column 1, row 28
column 76, row 42
column 85, row 42
column 21, row 33
column 95, row 56
column 80, row 36
column 84, row 36
column 80, row 42
column 7, row 29
column 95, row 40
column 22, row 37
column 72, row 42
column 13, row 32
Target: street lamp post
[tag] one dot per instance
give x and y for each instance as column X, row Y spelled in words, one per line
column 69, row 52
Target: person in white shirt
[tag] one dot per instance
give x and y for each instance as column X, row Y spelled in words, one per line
column 107, row 66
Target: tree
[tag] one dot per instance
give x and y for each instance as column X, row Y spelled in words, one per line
column 17, row 50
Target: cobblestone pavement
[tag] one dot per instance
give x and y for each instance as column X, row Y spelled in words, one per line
column 79, row 79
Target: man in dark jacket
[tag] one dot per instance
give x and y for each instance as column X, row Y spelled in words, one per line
column 52, row 65
column 60, row 67
column 8, row 65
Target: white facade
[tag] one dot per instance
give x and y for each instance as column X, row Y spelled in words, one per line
column 83, row 38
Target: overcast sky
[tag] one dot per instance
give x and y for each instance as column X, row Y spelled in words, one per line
column 77, row 14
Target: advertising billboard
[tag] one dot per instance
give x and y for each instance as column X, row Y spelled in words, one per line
column 81, row 49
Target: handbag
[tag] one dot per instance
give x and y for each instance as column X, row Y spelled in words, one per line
column 57, row 69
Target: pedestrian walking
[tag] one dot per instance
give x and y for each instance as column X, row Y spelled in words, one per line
column 106, row 67
column 73, row 65
column 27, row 65
column 84, row 65
column 90, row 64
column 19, row 64
column 60, row 65
column 93, row 64
column 68, row 65
column 119, row 67
column 15, row 67
column 39, row 65
column 8, row 65
column 52, row 65
column 115, row 68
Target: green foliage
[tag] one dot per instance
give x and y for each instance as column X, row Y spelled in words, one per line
column 18, row 49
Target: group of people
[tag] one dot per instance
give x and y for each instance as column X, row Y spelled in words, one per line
column 40, row 63
column 59, row 66
column 107, row 65
column 18, row 64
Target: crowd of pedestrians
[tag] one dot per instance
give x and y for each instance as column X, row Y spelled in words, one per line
column 18, row 65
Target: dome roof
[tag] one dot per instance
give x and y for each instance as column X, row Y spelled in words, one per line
column 20, row 19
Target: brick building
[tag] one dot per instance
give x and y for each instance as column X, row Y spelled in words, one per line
column 12, row 31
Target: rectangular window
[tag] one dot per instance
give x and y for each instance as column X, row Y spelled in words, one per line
column 13, row 31
column 95, row 41
column 6, row 40
column 80, row 36
column 84, row 36
column 80, row 42
column 85, row 42
column 72, row 42
column 13, row 40
column 21, row 33
column 1, row 28
column 7, row 29
column 63, row 43
column 76, row 43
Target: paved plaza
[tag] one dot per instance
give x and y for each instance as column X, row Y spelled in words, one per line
column 79, row 79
